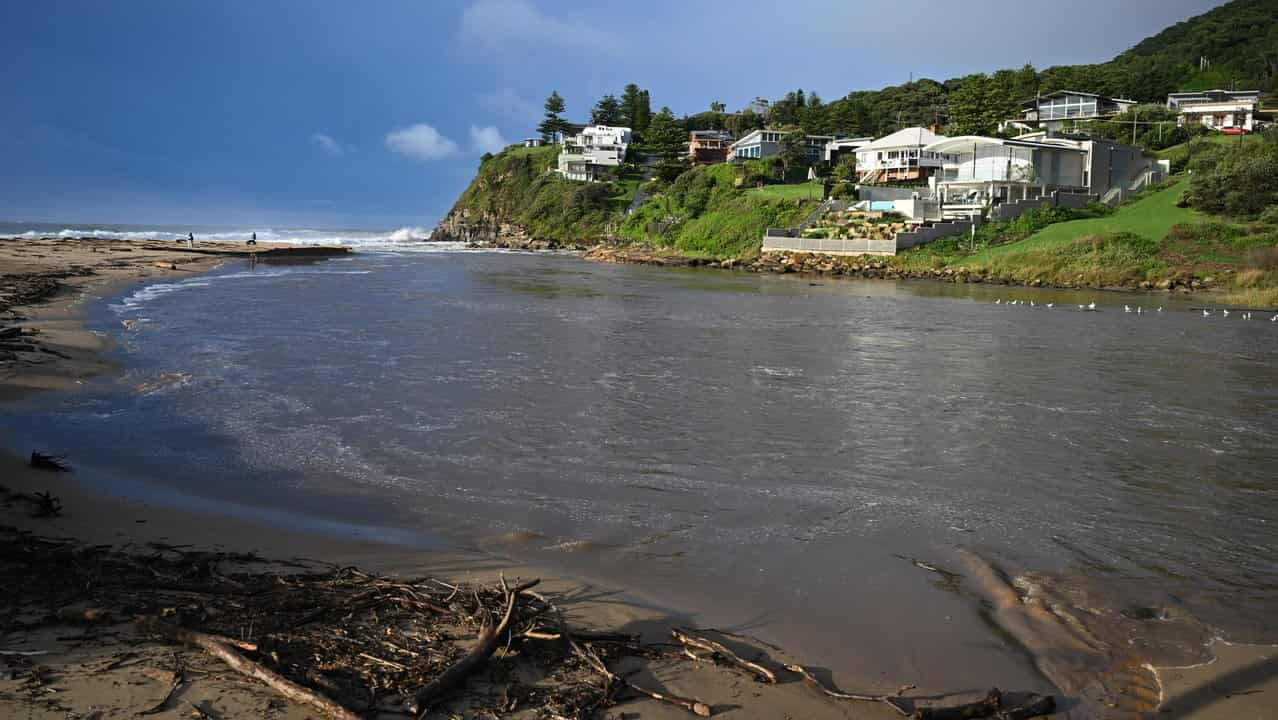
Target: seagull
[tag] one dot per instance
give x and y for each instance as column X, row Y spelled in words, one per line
column 1082, row 307
column 1092, row 306
column 1206, row 313
column 1127, row 308
column 1246, row 316
column 1051, row 305
column 1160, row 308
column 998, row 301
column 1031, row 303
column 1226, row 312
column 1274, row 319
column 1139, row 310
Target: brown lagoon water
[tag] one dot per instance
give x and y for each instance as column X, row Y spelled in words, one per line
column 764, row 452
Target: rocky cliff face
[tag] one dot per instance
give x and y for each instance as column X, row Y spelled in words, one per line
column 481, row 229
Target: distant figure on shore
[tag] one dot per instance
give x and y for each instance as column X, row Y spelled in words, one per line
column 190, row 240
column 253, row 240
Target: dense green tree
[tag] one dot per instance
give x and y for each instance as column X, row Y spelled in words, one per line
column 665, row 136
column 554, row 121
column 1239, row 181
column 793, row 151
column 814, row 116
column 717, row 107
column 978, row 105
column 607, row 111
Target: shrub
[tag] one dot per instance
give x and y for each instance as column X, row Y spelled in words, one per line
column 1270, row 215
column 1241, row 181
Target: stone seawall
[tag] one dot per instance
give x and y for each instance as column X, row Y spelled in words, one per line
column 865, row 267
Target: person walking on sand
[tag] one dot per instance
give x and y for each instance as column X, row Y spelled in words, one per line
column 190, row 240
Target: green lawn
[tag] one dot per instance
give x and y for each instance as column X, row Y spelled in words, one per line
column 802, row 191
column 1150, row 217
column 1214, row 138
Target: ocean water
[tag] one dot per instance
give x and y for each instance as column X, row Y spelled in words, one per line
column 402, row 237
column 766, row 453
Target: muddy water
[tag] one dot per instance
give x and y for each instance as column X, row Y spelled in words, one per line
column 767, row 453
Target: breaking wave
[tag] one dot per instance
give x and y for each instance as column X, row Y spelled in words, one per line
column 398, row 238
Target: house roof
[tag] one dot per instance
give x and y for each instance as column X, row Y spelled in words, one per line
column 1035, row 100
column 909, row 137
column 967, row 142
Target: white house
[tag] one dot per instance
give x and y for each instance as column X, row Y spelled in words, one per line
column 985, row 172
column 1216, row 108
column 585, row 154
column 899, row 157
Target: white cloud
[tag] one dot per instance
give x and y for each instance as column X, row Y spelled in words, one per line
column 487, row 139
column 326, row 143
column 500, row 24
column 420, row 142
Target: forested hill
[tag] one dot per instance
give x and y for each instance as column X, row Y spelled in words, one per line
column 1239, row 41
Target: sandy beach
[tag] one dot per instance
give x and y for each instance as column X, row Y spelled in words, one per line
column 113, row 669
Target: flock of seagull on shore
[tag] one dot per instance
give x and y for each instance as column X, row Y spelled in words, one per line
column 1091, row 307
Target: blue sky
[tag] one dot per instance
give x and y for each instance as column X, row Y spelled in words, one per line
column 374, row 114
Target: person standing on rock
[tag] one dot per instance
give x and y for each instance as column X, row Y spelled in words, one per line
column 253, row 240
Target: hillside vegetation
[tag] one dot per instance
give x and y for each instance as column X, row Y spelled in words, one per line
column 515, row 187
column 701, row 213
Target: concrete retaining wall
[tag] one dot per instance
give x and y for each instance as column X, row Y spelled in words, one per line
column 928, row 234
column 827, row 246
column 1007, row 211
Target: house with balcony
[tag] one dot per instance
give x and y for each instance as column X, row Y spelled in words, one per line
column 706, row 147
column 1002, row 178
column 587, row 154
column 1216, row 109
column 1065, row 109
column 899, row 157
column 838, row 148
column 765, row 143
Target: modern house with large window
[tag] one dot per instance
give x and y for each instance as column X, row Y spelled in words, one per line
column 758, row 144
column 1216, row 109
column 899, row 157
column 708, row 146
column 1064, row 109
column 983, row 173
column 585, row 155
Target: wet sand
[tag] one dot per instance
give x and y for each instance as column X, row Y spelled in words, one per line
column 45, row 284
column 1239, row 683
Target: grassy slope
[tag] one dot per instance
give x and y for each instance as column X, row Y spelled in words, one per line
column 803, row 191
column 1148, row 240
column 703, row 214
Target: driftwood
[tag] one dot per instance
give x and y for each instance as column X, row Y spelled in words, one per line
column 889, row 700
column 706, row 645
column 696, row 707
column 42, row 461
column 222, row 650
column 336, row 638
column 177, row 680
column 489, row 637
column 983, row 708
